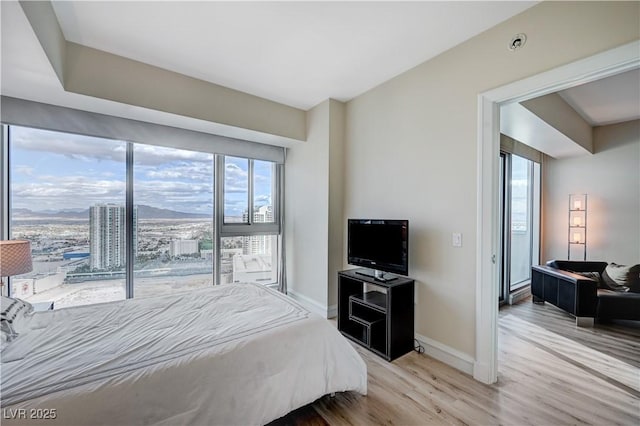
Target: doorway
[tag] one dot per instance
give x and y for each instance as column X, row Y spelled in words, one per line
column 611, row 62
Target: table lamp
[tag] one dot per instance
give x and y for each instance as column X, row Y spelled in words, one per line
column 15, row 258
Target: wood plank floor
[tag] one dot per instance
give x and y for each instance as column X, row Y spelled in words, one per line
column 551, row 373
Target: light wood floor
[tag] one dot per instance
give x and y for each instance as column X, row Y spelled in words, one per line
column 551, row 373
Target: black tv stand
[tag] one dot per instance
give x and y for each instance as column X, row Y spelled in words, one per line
column 375, row 314
column 381, row 279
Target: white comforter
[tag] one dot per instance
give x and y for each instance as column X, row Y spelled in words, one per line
column 236, row 354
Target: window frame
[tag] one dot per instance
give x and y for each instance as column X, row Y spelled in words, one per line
column 220, row 229
column 250, row 228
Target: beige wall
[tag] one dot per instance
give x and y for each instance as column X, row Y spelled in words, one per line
column 611, row 179
column 410, row 146
column 306, row 209
column 556, row 112
column 103, row 75
column 337, row 228
column 314, row 208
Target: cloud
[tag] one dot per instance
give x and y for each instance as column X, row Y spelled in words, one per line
column 56, row 192
column 163, row 177
column 86, row 148
column 150, row 155
column 78, row 147
column 262, row 200
column 23, row 170
column 63, row 192
column 235, row 179
column 234, row 207
column 193, row 171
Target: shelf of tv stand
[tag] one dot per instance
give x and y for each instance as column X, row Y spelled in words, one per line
column 372, row 299
column 377, row 315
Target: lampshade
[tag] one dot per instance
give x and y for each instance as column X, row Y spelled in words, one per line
column 15, row 257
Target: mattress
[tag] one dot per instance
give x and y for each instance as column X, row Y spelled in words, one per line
column 236, row 354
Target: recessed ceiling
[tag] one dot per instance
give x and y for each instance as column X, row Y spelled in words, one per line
column 295, row 53
column 610, row 100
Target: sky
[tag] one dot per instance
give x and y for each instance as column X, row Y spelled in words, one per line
column 60, row 171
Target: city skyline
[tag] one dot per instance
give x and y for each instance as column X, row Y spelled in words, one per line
column 53, row 171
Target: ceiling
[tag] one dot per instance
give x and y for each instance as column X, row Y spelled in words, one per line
column 610, row 100
column 607, row 101
column 295, row 53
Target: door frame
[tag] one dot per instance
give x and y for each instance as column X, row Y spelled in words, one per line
column 605, row 64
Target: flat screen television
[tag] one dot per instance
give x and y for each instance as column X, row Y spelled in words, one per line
column 379, row 244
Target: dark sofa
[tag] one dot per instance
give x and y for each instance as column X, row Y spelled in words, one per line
column 578, row 288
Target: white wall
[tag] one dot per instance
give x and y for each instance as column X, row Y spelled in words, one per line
column 611, row 179
column 410, row 146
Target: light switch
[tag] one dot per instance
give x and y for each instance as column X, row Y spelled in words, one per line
column 456, row 239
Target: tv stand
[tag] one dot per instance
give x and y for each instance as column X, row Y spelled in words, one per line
column 377, row 275
column 376, row 314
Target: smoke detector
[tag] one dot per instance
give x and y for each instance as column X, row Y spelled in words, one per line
column 517, row 41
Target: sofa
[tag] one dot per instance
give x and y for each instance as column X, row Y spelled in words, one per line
column 588, row 290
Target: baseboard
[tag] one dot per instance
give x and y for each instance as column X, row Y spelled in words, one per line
column 446, row 354
column 520, row 294
column 310, row 304
column 332, row 312
column 482, row 373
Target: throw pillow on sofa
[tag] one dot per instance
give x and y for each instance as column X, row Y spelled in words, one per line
column 617, row 277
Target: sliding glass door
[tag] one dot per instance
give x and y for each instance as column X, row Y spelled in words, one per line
column 520, row 207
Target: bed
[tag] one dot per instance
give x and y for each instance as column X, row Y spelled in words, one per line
column 237, row 354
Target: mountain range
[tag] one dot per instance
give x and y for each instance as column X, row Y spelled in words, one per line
column 144, row 212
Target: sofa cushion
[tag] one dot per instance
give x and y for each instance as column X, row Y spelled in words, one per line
column 622, row 277
column 591, row 275
column 617, row 305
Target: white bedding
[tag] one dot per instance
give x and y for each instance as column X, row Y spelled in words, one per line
column 237, row 354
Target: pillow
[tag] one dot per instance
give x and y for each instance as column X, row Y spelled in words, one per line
column 14, row 313
column 621, row 277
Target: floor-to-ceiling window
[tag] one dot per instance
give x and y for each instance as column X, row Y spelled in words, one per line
column 89, row 205
column 67, row 197
column 173, row 199
column 520, row 207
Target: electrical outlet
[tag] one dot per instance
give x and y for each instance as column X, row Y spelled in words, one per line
column 456, row 239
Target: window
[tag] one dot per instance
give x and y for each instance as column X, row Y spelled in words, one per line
column 173, row 201
column 520, row 207
column 250, row 226
column 521, row 219
column 112, row 219
column 68, row 199
column 249, row 259
column 264, row 186
column 236, row 190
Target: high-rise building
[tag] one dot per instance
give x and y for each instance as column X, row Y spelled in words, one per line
column 183, row 247
column 107, row 235
column 258, row 244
